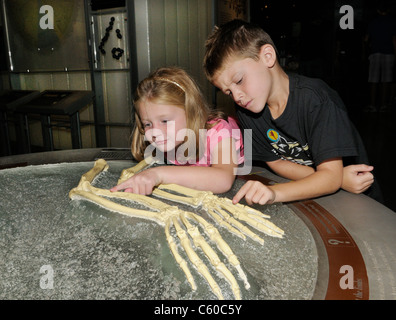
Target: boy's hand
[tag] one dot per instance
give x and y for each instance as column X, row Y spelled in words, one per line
column 142, row 183
column 357, row 178
column 255, row 192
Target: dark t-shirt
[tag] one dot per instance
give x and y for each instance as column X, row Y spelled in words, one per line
column 314, row 127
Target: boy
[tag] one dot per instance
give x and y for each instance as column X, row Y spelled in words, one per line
column 300, row 126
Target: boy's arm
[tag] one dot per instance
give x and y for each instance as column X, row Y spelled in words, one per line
column 326, row 179
column 356, row 178
column 290, row 170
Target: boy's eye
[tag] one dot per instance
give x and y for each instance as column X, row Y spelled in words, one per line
column 240, row 81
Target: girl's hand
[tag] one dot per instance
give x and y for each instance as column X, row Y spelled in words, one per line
column 357, row 178
column 142, row 183
column 255, row 192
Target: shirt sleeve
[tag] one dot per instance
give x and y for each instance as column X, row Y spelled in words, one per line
column 330, row 134
column 223, row 130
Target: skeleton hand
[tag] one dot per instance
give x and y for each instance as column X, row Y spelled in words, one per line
column 186, row 231
column 223, row 211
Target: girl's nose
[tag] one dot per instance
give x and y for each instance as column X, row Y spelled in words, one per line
column 153, row 133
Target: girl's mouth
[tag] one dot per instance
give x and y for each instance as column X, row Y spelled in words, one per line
column 162, row 142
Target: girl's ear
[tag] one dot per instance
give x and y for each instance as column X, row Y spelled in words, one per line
column 268, row 55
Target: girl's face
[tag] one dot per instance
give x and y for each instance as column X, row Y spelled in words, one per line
column 162, row 123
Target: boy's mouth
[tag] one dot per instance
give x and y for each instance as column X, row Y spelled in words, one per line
column 245, row 105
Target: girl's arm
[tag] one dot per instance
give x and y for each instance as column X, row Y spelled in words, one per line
column 217, row 178
column 326, row 179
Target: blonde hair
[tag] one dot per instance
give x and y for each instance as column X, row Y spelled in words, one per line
column 171, row 86
column 236, row 38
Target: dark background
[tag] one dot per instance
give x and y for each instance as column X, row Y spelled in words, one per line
column 310, row 42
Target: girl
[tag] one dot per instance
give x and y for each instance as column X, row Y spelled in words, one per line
column 172, row 117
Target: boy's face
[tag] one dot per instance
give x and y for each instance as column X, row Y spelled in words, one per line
column 247, row 81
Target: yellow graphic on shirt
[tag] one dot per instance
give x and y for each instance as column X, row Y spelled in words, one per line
column 273, row 135
column 289, row 150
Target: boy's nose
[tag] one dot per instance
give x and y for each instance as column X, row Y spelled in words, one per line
column 239, row 98
column 238, row 95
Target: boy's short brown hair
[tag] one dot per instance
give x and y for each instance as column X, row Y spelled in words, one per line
column 236, row 38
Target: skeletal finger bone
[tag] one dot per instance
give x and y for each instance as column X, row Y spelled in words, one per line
column 200, row 242
column 182, row 263
column 215, row 236
column 227, row 220
column 194, row 258
column 248, row 215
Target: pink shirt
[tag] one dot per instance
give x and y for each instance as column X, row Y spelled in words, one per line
column 222, row 130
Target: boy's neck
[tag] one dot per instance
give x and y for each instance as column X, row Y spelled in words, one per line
column 277, row 101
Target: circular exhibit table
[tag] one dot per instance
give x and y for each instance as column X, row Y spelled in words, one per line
column 52, row 247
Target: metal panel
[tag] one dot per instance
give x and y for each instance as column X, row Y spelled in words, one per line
column 116, row 89
column 177, row 31
column 157, row 34
column 171, row 32
column 114, row 24
column 165, row 32
column 142, row 38
column 36, row 48
column 183, row 36
column 60, row 81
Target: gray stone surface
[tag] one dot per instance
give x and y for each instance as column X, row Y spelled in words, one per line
column 98, row 254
